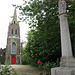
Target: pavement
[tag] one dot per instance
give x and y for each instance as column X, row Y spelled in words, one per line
column 25, row 69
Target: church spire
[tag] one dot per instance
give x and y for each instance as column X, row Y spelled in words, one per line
column 15, row 15
column 14, row 20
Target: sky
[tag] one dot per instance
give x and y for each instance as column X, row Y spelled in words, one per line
column 6, row 11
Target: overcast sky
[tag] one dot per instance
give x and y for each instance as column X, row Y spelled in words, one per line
column 7, row 10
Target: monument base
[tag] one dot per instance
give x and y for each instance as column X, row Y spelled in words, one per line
column 63, row 71
column 67, row 67
column 67, row 61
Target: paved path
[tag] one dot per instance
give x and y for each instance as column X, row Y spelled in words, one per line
column 25, row 69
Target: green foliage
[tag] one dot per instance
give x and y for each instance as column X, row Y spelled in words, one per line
column 6, row 63
column 0, row 64
column 46, row 67
column 7, row 70
column 44, row 37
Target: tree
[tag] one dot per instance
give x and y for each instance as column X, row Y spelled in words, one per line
column 44, row 37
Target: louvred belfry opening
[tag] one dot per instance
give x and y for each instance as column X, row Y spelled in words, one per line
column 13, row 60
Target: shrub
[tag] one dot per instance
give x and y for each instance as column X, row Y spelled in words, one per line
column 7, row 70
column 46, row 67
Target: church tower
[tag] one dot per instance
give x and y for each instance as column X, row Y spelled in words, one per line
column 13, row 41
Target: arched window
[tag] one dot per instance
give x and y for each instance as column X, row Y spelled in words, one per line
column 13, row 48
column 16, row 31
column 14, row 22
column 12, row 31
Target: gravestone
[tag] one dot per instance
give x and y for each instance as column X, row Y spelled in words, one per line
column 67, row 64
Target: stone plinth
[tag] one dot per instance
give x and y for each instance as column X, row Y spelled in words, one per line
column 63, row 71
column 67, row 67
column 67, row 62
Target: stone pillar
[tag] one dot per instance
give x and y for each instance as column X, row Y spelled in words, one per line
column 67, row 57
column 65, row 36
column 67, row 64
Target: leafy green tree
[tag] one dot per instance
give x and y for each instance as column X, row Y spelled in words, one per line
column 44, row 37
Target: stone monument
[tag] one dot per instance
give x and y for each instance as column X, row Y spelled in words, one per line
column 67, row 64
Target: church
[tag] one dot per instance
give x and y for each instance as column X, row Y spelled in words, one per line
column 13, row 50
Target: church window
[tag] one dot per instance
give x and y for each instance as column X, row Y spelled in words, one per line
column 13, row 48
column 14, row 22
column 12, row 31
column 16, row 31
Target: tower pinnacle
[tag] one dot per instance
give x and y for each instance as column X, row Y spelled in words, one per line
column 15, row 15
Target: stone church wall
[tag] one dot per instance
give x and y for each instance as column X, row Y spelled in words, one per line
column 2, row 55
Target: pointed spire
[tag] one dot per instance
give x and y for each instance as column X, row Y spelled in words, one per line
column 14, row 20
column 15, row 15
